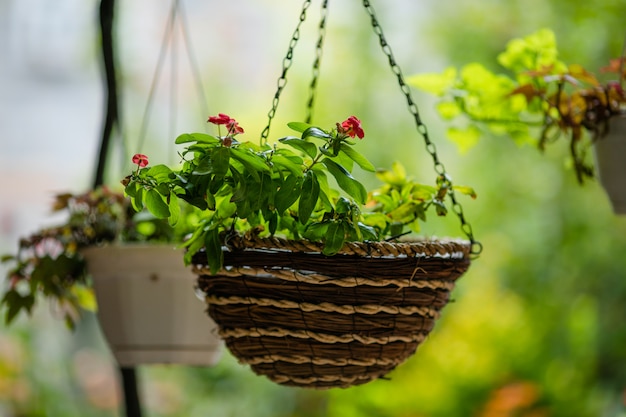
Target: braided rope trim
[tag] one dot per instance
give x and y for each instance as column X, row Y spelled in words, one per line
column 301, row 360
column 319, row 337
column 346, row 381
column 446, row 248
column 319, row 279
column 368, row 309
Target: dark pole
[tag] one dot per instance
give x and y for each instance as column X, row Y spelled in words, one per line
column 111, row 120
column 131, row 398
column 111, row 115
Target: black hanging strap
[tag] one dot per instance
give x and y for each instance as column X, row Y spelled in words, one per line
column 111, row 120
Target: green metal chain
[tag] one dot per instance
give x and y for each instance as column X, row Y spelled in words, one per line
column 476, row 247
column 316, row 64
column 282, row 80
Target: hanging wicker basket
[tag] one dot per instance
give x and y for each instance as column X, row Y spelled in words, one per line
column 304, row 319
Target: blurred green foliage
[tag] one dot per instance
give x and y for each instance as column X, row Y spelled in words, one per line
column 538, row 326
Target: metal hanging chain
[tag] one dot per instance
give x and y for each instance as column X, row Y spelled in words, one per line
column 476, row 247
column 316, row 64
column 282, row 80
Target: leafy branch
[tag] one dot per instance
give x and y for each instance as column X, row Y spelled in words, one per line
column 285, row 189
column 543, row 100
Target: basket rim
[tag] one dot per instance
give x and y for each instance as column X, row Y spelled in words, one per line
column 423, row 247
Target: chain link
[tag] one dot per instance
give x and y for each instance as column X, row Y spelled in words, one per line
column 316, row 63
column 476, row 247
column 282, row 80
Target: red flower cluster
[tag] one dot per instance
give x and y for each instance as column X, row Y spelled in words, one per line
column 140, row 159
column 352, row 127
column 230, row 123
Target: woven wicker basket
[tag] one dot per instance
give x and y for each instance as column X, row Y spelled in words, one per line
column 305, row 319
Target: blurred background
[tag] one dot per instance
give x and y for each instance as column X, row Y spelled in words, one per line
column 538, row 326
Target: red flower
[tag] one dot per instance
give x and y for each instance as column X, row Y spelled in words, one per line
column 140, row 159
column 233, row 127
column 221, row 119
column 352, row 127
column 231, row 124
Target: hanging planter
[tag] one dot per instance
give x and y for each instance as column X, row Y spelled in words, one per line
column 544, row 101
column 610, row 153
column 148, row 310
column 145, row 295
column 305, row 319
column 310, row 285
column 341, row 299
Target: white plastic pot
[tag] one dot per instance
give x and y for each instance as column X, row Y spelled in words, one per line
column 610, row 153
column 147, row 307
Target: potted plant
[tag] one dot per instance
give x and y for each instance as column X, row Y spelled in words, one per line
column 308, row 274
column 140, row 282
column 541, row 101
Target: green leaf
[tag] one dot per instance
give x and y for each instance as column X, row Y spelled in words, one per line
column 174, row 208
column 309, row 196
column 240, row 192
column 437, row 84
column 137, row 200
column 465, row 138
column 357, row 157
column 299, row 126
column 288, row 193
column 307, row 147
column 213, row 245
column 440, row 208
column 463, row 189
column 85, row 297
column 415, row 224
column 7, row 258
column 203, row 165
column 251, row 159
column 343, row 206
column 533, row 52
column 396, row 176
column 315, row 132
column 293, row 166
column 15, row 302
column 252, row 162
column 263, row 194
column 376, row 220
column 346, row 181
column 273, row 222
column 62, row 266
column 325, row 189
column 405, row 211
column 448, row 110
column 160, row 172
column 194, row 244
column 197, row 137
column 335, row 237
column 316, row 231
column 225, row 207
column 368, row 232
column 220, row 159
column 156, row 205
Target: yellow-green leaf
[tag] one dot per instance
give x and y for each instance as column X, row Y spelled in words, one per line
column 434, row 83
column 464, row 138
column 85, row 297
